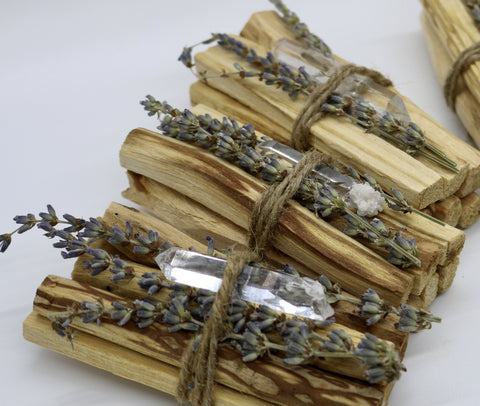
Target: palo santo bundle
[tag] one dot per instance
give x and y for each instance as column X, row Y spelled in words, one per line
column 452, row 39
column 421, row 181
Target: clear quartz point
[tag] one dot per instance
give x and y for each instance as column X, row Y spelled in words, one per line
column 340, row 182
column 356, row 86
column 282, row 292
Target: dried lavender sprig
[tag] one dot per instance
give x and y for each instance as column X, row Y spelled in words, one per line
column 301, row 29
column 274, row 72
column 373, row 308
column 189, row 308
column 236, row 144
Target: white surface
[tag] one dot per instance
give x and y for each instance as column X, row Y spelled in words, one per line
column 72, row 74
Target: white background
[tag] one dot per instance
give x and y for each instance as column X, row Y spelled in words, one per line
column 71, row 76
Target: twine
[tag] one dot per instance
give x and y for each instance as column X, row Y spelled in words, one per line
column 463, row 62
column 198, row 368
column 312, row 110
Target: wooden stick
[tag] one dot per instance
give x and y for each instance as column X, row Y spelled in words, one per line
column 301, row 235
column 268, row 379
column 122, row 361
column 470, row 210
column 267, row 27
column 466, row 106
column 446, row 275
column 448, row 210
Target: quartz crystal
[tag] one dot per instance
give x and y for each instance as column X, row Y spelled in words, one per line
column 282, row 292
column 356, row 86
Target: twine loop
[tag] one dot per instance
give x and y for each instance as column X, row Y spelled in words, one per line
column 312, row 110
column 451, row 87
column 198, row 368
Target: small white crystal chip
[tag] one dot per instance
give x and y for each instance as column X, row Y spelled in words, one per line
column 368, row 201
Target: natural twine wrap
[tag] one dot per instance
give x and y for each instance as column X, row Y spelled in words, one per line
column 463, row 62
column 198, row 368
column 312, row 110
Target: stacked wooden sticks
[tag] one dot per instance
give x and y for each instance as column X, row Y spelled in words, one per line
column 449, row 30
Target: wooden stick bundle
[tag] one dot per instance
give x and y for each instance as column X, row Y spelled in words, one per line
column 453, row 210
column 420, row 181
column 270, row 380
column 161, row 159
column 449, row 29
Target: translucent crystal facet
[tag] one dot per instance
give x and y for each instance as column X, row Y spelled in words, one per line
column 280, row 291
column 340, row 182
column 356, row 86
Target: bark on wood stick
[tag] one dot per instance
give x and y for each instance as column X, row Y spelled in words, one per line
column 267, row 27
column 270, row 380
column 231, row 192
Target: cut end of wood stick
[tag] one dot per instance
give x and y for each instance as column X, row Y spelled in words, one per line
column 470, row 210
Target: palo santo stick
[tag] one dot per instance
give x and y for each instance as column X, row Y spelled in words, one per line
column 457, row 32
column 267, row 27
column 448, row 210
column 268, row 379
column 123, row 362
column 470, row 210
column 446, row 275
column 205, row 178
column 466, row 106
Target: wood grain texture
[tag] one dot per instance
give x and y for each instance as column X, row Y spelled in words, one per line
column 466, row 106
column 270, row 380
column 267, row 27
column 470, row 210
column 122, row 361
column 301, row 235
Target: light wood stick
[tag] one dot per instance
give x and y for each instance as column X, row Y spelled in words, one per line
column 470, row 210
column 446, row 275
column 456, row 30
column 122, row 361
column 448, row 210
column 466, row 106
column 268, row 379
column 267, row 27
column 192, row 171
column 346, row 367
